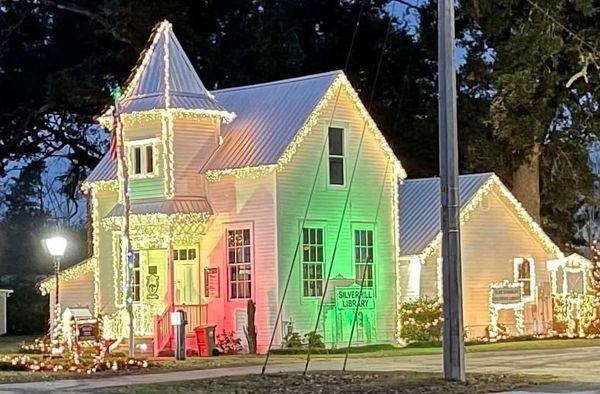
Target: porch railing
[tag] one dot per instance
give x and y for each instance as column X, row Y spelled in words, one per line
column 163, row 331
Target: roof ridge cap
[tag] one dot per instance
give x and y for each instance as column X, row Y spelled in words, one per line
column 278, row 82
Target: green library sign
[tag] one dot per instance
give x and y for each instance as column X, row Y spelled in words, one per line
column 349, row 297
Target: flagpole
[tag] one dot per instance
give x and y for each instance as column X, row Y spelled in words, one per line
column 126, row 218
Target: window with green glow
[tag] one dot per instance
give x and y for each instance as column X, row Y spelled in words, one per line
column 336, row 156
column 363, row 256
column 312, row 262
column 135, row 278
column 239, row 255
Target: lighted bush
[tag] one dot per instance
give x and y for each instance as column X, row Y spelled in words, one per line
column 421, row 320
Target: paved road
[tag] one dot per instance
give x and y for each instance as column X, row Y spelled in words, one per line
column 579, row 366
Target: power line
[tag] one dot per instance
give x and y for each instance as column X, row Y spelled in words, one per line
column 335, row 248
column 306, row 211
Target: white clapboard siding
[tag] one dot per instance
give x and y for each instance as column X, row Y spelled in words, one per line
column 194, row 141
column 106, row 201
column 293, row 188
column 490, row 240
column 240, row 202
column 77, row 292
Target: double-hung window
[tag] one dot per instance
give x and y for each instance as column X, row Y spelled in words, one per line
column 363, row 257
column 135, row 276
column 239, row 258
column 312, row 262
column 525, row 274
column 142, row 158
column 336, row 156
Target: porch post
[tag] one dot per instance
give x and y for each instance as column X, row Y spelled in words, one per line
column 170, row 273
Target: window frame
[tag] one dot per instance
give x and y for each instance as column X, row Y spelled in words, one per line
column 136, row 269
column 358, row 275
column 143, row 146
column 532, row 277
column 323, row 228
column 240, row 227
column 344, row 126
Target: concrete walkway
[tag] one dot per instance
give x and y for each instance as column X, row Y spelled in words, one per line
column 580, row 367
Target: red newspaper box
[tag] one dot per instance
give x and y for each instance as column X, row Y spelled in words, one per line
column 205, row 337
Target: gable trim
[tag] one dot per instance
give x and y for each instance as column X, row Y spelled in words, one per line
column 340, row 82
column 495, row 184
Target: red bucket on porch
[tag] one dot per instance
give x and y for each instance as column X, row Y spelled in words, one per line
column 205, row 338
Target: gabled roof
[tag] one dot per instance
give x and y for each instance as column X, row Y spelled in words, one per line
column 271, row 120
column 269, row 115
column 420, row 209
column 164, row 78
column 105, row 170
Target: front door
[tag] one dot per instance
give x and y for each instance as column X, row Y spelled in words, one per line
column 185, row 276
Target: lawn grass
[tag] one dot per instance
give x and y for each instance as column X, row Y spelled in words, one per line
column 336, row 381
column 10, row 344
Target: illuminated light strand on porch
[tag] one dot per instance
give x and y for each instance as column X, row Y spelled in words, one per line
column 570, row 308
column 96, row 248
column 494, row 183
column 395, row 235
column 117, row 266
column 341, row 82
column 116, row 324
column 494, row 310
column 69, row 274
column 152, row 230
column 106, row 185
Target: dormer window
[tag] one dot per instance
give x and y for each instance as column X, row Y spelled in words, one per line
column 142, row 158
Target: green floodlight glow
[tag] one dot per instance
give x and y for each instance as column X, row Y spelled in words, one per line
column 116, row 93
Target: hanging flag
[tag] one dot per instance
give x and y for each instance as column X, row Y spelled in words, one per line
column 116, row 95
column 114, row 136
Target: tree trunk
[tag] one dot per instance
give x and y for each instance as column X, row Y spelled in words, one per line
column 526, row 182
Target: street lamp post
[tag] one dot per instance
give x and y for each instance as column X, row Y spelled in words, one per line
column 56, row 246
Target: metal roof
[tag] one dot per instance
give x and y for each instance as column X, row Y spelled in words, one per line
column 167, row 207
column 268, row 117
column 164, row 61
column 420, row 209
column 105, row 170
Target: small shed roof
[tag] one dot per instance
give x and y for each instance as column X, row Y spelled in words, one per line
column 420, row 207
column 167, row 207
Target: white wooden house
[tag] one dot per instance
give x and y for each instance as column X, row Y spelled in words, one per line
column 219, row 186
column 501, row 246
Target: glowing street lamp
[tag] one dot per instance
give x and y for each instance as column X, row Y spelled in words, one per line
column 56, row 247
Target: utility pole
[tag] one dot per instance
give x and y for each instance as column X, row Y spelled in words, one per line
column 454, row 351
column 129, row 257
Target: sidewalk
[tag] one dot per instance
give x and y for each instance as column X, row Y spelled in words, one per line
column 578, row 366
